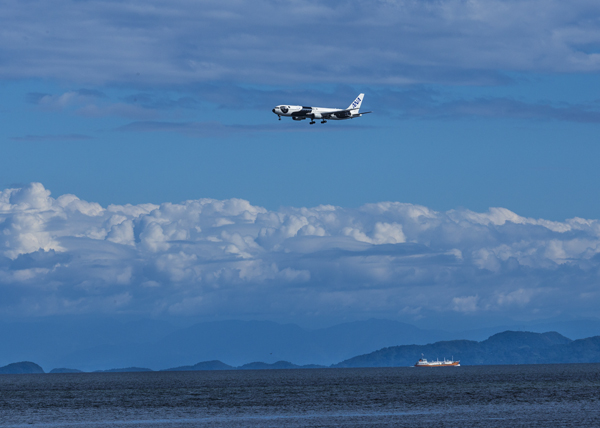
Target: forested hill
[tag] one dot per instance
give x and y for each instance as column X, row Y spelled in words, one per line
column 24, row 367
column 509, row 347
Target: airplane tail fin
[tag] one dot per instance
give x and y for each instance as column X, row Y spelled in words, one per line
column 355, row 106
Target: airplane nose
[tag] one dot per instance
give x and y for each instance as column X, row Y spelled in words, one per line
column 273, row 110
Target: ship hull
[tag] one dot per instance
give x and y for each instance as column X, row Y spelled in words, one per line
column 452, row 364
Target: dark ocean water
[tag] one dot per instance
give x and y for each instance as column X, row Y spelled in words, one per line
column 482, row 396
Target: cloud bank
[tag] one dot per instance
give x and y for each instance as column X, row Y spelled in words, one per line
column 228, row 259
column 270, row 41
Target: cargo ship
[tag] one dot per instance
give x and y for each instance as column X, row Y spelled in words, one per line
column 446, row 363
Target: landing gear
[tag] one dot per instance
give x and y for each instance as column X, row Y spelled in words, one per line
column 279, row 117
column 323, row 121
column 312, row 122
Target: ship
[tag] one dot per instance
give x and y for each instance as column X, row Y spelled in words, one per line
column 437, row 363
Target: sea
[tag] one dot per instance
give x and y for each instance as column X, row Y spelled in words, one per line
column 478, row 396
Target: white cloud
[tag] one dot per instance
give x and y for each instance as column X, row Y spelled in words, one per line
column 518, row 297
column 92, row 104
column 384, row 42
column 229, row 257
column 465, row 304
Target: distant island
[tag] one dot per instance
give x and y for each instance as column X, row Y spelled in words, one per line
column 204, row 365
column 63, row 370
column 124, row 370
column 218, row 365
column 509, row 347
column 24, row 367
column 278, row 365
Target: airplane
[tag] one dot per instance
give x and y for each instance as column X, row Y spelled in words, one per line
column 301, row 112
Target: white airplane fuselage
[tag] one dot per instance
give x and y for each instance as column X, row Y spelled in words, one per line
column 323, row 113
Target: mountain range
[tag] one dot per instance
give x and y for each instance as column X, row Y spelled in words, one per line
column 509, row 347
column 92, row 345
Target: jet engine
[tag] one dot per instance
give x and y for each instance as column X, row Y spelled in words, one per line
column 343, row 114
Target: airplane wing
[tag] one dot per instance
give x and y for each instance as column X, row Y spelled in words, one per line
column 337, row 111
column 345, row 111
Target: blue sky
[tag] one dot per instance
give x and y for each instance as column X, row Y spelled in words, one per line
column 479, row 106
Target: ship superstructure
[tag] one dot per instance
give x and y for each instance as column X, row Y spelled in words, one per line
column 437, row 363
